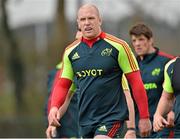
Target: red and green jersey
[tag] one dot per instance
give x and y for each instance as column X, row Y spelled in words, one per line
column 99, row 70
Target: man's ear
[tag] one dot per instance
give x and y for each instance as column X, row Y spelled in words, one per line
column 100, row 21
column 151, row 40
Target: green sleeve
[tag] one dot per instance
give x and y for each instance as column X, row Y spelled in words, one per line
column 167, row 86
column 67, row 71
column 125, row 85
column 126, row 58
column 59, row 66
column 72, row 88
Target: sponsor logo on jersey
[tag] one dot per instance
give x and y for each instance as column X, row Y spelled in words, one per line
column 106, row 52
column 90, row 72
column 102, row 128
column 156, row 72
column 149, row 86
column 75, row 56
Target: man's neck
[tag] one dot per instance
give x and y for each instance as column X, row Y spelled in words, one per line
column 90, row 42
column 151, row 50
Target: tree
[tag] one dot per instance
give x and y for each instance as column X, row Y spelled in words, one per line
column 60, row 34
column 15, row 63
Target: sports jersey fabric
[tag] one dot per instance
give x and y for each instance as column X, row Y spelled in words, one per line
column 125, row 85
column 152, row 70
column 171, row 85
column 98, row 69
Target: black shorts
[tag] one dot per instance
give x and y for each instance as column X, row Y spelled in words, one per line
column 111, row 129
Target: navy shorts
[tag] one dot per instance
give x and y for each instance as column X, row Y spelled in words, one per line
column 111, row 129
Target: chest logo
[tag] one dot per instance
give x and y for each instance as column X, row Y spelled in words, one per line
column 75, row 56
column 156, row 72
column 149, row 86
column 90, row 72
column 106, row 52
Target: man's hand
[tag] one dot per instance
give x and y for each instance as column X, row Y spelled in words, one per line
column 130, row 134
column 54, row 117
column 51, row 132
column 159, row 123
column 170, row 119
column 144, row 127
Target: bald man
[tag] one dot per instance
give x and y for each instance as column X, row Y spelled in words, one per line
column 98, row 61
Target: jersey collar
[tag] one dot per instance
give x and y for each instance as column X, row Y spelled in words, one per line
column 149, row 57
column 92, row 41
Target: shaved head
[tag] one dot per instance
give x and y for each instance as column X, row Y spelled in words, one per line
column 89, row 6
column 89, row 21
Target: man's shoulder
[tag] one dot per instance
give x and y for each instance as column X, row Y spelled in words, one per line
column 169, row 65
column 116, row 42
column 73, row 44
column 114, row 38
column 165, row 55
column 171, row 62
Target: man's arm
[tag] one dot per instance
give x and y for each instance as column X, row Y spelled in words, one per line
column 131, row 133
column 139, row 94
column 52, row 80
column 130, row 68
column 130, row 103
column 164, row 106
column 61, row 89
column 64, row 107
column 131, row 122
column 129, row 65
column 51, row 130
column 58, row 97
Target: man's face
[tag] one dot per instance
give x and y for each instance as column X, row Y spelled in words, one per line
column 89, row 22
column 141, row 44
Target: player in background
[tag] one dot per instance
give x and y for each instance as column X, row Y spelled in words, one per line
column 151, row 62
column 171, row 91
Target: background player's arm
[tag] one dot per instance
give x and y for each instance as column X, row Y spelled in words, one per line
column 69, row 96
column 51, row 130
column 165, row 103
column 130, row 103
column 60, row 90
column 164, row 106
column 131, row 122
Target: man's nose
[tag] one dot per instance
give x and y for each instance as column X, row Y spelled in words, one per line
column 87, row 21
column 136, row 43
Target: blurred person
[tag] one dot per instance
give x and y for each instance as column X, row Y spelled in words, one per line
column 69, row 120
column 98, row 61
column 69, row 124
column 171, row 91
column 151, row 63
